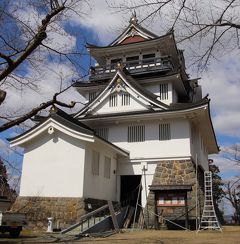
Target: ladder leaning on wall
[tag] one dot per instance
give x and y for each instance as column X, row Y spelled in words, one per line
column 209, row 219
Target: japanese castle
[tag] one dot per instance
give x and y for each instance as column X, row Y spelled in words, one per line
column 142, row 138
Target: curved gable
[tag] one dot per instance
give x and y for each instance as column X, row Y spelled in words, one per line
column 125, row 95
column 50, row 125
column 132, row 39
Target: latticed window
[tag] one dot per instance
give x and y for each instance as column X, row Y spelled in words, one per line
column 95, row 163
column 102, row 132
column 92, row 95
column 107, row 167
column 125, row 99
column 164, row 132
column 163, row 92
column 113, row 100
column 136, row 133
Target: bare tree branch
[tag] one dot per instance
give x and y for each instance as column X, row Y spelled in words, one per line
column 34, row 43
column 195, row 23
column 35, row 110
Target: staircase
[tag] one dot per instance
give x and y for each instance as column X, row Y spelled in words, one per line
column 86, row 224
column 100, row 220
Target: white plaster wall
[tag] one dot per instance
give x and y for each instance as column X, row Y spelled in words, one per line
column 97, row 186
column 155, row 89
column 178, row 146
column 53, row 166
column 136, row 104
column 198, row 149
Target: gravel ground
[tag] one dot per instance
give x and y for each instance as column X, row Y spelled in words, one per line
column 230, row 235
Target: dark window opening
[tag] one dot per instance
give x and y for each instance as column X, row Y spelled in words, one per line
column 134, row 60
column 148, row 58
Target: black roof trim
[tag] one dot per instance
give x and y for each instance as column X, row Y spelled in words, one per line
column 67, row 120
column 173, row 108
column 170, row 187
column 63, row 118
column 89, row 45
column 90, row 84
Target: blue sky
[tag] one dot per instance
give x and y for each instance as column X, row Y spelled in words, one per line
column 99, row 25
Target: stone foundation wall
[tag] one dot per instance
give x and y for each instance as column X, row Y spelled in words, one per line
column 66, row 211
column 176, row 172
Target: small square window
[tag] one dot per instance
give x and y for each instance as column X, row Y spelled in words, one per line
column 136, row 133
column 163, row 92
column 164, row 132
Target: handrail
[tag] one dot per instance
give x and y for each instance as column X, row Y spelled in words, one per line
column 84, row 217
column 157, row 62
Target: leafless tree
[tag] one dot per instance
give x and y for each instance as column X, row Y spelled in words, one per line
column 232, row 187
column 232, row 194
column 27, row 43
column 211, row 25
column 5, row 188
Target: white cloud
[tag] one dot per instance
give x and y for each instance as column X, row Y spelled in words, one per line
column 48, row 78
column 104, row 21
column 222, row 83
column 228, row 168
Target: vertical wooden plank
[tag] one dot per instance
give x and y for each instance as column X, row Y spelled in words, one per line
column 113, row 216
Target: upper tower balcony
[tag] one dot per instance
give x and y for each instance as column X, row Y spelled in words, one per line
column 137, row 49
column 134, row 66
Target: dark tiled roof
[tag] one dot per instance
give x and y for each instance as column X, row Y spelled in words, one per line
column 170, row 187
column 90, row 84
column 89, row 45
column 67, row 120
column 180, row 106
column 63, row 118
column 172, row 108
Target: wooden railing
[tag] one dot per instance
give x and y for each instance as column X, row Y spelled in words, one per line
column 90, row 219
column 85, row 217
column 135, row 66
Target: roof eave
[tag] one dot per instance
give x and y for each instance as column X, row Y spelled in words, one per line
column 92, row 47
column 73, row 130
column 123, row 76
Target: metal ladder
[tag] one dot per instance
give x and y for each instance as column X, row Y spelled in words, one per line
column 209, row 219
